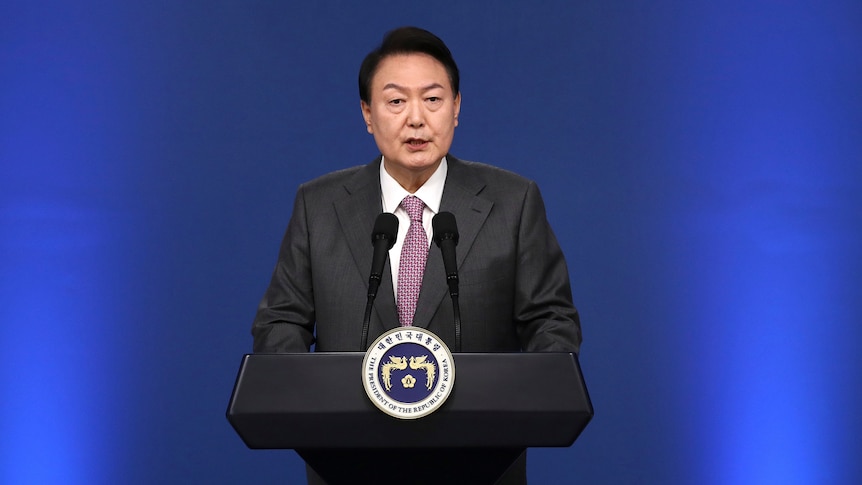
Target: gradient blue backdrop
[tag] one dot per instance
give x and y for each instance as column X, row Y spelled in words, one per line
column 701, row 163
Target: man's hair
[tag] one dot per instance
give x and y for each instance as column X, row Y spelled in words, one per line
column 406, row 40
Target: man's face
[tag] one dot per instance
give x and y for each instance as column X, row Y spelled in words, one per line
column 412, row 114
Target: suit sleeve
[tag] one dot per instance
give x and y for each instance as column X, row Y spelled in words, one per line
column 285, row 317
column 545, row 316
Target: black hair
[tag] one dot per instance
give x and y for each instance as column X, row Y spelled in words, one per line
column 406, row 40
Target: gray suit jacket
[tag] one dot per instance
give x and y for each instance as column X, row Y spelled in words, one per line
column 514, row 284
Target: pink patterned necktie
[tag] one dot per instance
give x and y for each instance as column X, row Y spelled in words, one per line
column 414, row 254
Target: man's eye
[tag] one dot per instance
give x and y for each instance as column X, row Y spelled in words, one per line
column 433, row 99
column 396, row 102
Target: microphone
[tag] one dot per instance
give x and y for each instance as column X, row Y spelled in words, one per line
column 446, row 238
column 383, row 238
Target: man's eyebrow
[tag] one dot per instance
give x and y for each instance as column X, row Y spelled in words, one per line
column 402, row 88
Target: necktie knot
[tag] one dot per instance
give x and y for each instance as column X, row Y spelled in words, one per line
column 414, row 207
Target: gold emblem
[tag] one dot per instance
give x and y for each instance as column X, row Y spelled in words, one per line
column 396, row 363
column 402, row 355
column 430, row 369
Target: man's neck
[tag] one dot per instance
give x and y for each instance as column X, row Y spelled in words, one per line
column 410, row 180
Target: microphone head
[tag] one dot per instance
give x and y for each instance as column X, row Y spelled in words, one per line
column 445, row 227
column 385, row 227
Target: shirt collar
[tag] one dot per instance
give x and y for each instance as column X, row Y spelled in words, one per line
column 431, row 191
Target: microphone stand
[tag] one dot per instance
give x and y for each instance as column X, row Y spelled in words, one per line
column 456, row 310
column 382, row 238
column 446, row 237
column 366, row 321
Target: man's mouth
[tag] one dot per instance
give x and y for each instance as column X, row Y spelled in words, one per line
column 416, row 142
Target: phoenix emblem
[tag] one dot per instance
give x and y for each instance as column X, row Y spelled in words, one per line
column 415, row 363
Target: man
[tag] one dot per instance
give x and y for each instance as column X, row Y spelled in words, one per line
column 514, row 284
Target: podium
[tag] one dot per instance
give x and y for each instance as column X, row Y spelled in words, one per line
column 501, row 404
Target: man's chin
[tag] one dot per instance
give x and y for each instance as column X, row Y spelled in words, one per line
column 415, row 162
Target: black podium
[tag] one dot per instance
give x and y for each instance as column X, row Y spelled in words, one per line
column 501, row 404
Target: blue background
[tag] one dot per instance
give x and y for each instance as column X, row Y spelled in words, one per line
column 700, row 162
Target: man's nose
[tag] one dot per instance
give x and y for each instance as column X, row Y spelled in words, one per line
column 415, row 115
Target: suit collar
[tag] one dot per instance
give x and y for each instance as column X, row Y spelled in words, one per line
column 461, row 198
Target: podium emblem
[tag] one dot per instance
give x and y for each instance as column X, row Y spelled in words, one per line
column 408, row 372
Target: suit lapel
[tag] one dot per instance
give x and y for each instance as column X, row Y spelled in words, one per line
column 460, row 197
column 356, row 214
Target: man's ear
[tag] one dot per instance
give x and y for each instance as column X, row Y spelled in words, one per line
column 366, row 114
column 457, row 107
